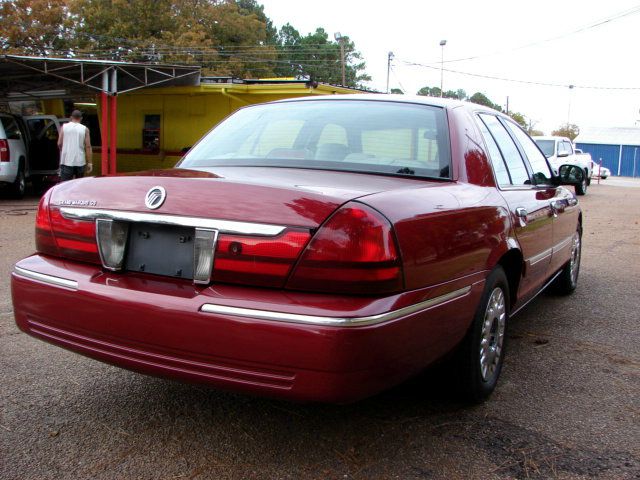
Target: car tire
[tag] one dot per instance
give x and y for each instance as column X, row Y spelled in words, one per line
column 567, row 281
column 19, row 185
column 582, row 188
column 480, row 356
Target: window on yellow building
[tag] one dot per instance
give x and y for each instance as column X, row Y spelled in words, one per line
column 151, row 133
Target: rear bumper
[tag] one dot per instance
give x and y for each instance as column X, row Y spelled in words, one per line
column 268, row 342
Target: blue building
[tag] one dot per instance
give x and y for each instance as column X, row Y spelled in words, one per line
column 617, row 147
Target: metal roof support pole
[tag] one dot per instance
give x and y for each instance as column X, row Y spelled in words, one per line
column 620, row 161
column 114, row 122
column 104, row 127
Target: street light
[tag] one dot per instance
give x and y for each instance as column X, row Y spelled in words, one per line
column 442, row 44
column 340, row 39
column 571, row 87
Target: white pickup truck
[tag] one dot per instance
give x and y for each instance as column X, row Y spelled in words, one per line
column 559, row 151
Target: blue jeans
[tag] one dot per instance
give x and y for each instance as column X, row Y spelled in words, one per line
column 69, row 173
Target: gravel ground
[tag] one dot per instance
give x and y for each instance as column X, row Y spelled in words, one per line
column 567, row 405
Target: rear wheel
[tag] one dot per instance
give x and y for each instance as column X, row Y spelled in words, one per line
column 481, row 355
column 567, row 281
column 19, row 185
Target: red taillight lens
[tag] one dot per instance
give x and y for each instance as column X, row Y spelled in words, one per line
column 5, row 153
column 76, row 239
column 257, row 261
column 353, row 252
column 45, row 243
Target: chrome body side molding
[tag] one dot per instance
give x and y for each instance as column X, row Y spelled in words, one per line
column 334, row 321
column 44, row 278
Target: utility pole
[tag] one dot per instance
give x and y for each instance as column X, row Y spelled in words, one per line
column 389, row 58
column 340, row 39
column 507, row 104
column 442, row 44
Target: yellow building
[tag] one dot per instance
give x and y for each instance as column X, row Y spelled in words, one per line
column 156, row 125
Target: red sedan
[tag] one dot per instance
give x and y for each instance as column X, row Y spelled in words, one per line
column 313, row 249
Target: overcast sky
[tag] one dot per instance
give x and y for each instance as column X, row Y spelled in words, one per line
column 603, row 56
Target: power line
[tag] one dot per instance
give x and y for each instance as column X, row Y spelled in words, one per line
column 595, row 24
column 512, row 80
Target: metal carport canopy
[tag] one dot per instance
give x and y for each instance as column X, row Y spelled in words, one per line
column 30, row 78
column 39, row 78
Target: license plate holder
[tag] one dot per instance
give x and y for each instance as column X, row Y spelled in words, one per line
column 161, row 250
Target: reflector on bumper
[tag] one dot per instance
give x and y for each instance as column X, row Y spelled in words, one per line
column 203, row 248
column 112, row 241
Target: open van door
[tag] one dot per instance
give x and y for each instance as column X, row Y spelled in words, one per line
column 44, row 156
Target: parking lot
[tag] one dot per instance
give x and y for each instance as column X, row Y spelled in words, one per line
column 567, row 405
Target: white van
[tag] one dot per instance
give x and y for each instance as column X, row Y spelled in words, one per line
column 13, row 154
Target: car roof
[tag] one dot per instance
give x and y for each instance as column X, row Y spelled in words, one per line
column 396, row 98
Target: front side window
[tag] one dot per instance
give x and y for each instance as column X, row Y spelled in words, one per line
column 548, row 147
column 539, row 166
column 350, row 135
column 510, row 153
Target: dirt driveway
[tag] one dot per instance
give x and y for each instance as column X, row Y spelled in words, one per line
column 567, row 406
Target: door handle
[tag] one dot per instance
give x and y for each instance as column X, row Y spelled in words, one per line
column 522, row 213
column 556, row 207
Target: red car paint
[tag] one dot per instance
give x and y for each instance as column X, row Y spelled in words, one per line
column 450, row 234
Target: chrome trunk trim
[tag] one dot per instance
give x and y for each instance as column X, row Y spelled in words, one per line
column 334, row 321
column 223, row 226
column 44, row 278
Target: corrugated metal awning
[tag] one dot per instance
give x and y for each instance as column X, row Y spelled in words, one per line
column 28, row 78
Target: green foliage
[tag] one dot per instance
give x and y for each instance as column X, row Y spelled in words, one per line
column 520, row 119
column 35, row 27
column 482, row 99
column 435, row 92
column 569, row 130
column 225, row 37
column 535, row 133
column 317, row 57
column 397, row 91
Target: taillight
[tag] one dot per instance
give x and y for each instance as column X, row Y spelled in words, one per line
column 5, row 153
column 75, row 239
column 261, row 261
column 45, row 243
column 353, row 252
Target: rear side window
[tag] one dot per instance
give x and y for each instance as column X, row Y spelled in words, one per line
column 509, row 150
column 11, row 129
column 538, row 162
column 499, row 167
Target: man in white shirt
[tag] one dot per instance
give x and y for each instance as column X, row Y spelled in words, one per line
column 75, row 148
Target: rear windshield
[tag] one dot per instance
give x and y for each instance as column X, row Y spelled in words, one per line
column 350, row 135
column 547, row 147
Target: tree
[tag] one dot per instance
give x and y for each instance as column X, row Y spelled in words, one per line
column 482, row 99
column 317, row 57
column 35, row 27
column 397, row 91
column 520, row 119
column 435, row 92
column 225, row 37
column 429, row 91
column 569, row 130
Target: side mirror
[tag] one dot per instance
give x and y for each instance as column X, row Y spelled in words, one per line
column 570, row 175
column 562, row 154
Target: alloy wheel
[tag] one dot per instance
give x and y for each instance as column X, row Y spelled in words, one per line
column 492, row 336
